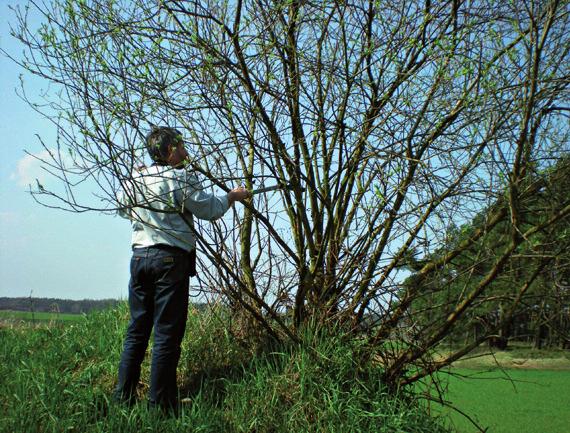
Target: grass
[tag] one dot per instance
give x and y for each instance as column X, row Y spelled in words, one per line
column 60, row 378
column 9, row 315
column 508, row 391
column 509, row 401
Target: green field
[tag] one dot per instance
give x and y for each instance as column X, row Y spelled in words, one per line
column 508, row 401
column 60, row 378
column 39, row 316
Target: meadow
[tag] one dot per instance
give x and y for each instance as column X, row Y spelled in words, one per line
column 59, row 375
column 509, row 401
column 12, row 316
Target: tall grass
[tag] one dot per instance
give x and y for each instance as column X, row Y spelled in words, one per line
column 59, row 378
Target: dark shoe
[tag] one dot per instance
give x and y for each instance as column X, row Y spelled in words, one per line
column 167, row 410
column 126, row 400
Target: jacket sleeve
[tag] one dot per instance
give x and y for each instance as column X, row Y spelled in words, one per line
column 123, row 208
column 125, row 200
column 201, row 204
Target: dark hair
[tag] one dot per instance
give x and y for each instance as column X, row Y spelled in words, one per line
column 159, row 140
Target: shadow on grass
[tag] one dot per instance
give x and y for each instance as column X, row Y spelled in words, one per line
column 212, row 380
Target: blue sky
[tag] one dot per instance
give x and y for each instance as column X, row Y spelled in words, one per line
column 47, row 252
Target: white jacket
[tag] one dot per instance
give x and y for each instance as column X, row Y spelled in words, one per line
column 158, row 200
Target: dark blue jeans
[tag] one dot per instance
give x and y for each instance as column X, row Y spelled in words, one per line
column 158, row 297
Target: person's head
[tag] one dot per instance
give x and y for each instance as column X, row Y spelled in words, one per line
column 165, row 146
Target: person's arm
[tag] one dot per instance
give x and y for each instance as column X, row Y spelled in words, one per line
column 126, row 196
column 209, row 206
column 124, row 208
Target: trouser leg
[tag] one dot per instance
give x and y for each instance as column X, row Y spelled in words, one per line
column 170, row 314
column 138, row 332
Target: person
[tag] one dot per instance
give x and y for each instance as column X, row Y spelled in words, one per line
column 161, row 201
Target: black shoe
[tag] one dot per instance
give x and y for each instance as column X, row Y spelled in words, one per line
column 126, row 400
column 167, row 410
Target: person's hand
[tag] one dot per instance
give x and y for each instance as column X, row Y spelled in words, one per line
column 238, row 194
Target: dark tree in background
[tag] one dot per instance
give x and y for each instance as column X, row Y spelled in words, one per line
column 391, row 122
column 529, row 300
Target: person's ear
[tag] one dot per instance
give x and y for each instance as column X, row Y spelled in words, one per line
column 171, row 150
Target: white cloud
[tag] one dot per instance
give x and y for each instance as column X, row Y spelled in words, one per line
column 28, row 169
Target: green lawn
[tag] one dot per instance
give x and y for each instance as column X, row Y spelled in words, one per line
column 509, row 401
column 40, row 316
column 59, row 378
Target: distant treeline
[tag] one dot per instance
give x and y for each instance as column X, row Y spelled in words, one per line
column 55, row 305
